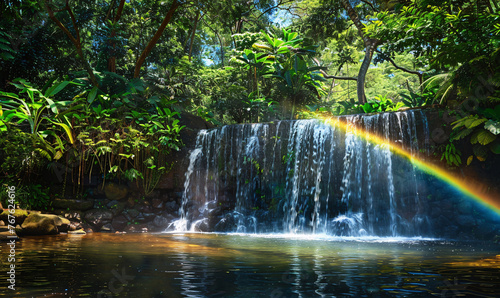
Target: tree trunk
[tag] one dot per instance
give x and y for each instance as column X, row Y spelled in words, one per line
column 155, row 39
column 112, row 58
column 193, row 34
column 370, row 48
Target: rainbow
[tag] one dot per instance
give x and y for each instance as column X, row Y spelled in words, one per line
column 473, row 190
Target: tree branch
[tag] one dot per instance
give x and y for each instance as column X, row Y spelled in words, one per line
column 75, row 40
column 155, row 38
column 327, row 76
column 119, row 11
column 387, row 58
column 59, row 24
column 73, row 20
column 370, row 4
column 276, row 6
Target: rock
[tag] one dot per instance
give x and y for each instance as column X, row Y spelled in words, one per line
column 465, row 220
column 161, row 222
column 116, row 207
column 119, row 223
column 148, row 216
column 73, row 215
column 115, row 191
column 226, row 224
column 97, row 217
column 107, row 228
column 19, row 214
column 65, row 204
column 200, row 226
column 44, row 224
column 74, row 226
column 157, row 204
column 131, row 214
column 78, row 232
column 130, row 202
column 144, row 208
column 171, row 206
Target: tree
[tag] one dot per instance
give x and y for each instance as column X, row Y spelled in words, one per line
column 328, row 17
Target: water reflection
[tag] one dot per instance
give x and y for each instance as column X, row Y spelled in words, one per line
column 215, row 265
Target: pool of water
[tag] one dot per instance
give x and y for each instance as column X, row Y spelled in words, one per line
column 233, row 265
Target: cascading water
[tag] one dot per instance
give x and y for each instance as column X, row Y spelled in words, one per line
column 306, row 176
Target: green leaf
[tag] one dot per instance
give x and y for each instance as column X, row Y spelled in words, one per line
column 6, row 56
column 495, row 146
column 485, row 137
column 4, row 47
column 473, row 122
column 56, row 89
column 92, row 95
column 52, row 105
column 462, row 134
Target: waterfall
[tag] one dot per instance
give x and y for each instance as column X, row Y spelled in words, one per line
column 305, row 176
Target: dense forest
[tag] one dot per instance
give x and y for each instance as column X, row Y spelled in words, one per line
column 102, row 85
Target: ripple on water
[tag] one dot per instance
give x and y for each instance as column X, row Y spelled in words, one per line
column 229, row 265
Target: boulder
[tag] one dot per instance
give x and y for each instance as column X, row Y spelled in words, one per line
column 66, row 204
column 115, row 191
column 144, row 207
column 200, row 225
column 119, row 223
column 130, row 202
column 171, row 206
column 19, row 214
column 161, row 222
column 98, row 217
column 75, row 226
column 145, row 217
column 44, row 224
column 107, row 228
column 78, row 232
column 131, row 214
column 157, row 204
column 116, row 207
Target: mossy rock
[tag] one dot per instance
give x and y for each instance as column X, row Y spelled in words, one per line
column 44, row 224
column 19, row 214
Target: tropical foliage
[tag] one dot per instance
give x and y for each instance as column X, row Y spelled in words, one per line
column 101, row 85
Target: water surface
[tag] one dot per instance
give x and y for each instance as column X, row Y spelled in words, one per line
column 233, row 265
